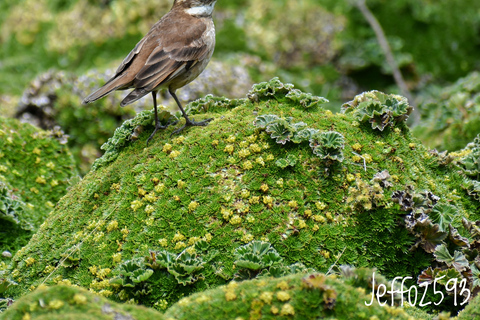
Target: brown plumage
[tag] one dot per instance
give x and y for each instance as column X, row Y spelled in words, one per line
column 172, row 54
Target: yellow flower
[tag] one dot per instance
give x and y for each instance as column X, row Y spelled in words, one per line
column 247, row 165
column 159, row 188
column 229, row 148
column 180, row 245
column 178, row 237
column 149, row 209
column 117, row 257
column 293, row 204
column 79, row 299
column 29, row 261
column 247, row 238
column 315, row 227
column 283, row 295
column 231, row 139
column 150, row 197
column 208, row 237
column 255, row 148
column 113, row 225
column 55, row 304
column 230, row 295
column 287, row 310
column 236, row 219
column 215, row 143
column 264, row 187
column 254, row 200
column 167, row 148
column 174, row 154
column 266, row 297
column 192, row 206
column 163, row 242
column 357, row 147
column 41, row 180
column 260, row 161
column 136, row 204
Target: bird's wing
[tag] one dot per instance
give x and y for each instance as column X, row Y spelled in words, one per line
column 172, row 57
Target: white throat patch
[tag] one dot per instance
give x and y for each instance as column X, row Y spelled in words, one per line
column 204, row 10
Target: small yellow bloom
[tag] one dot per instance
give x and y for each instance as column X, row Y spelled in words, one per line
column 149, row 209
column 254, row 200
column 266, row 297
column 36, row 151
column 174, row 154
column 208, row 237
column 41, row 180
column 55, row 304
column 79, row 299
column 117, row 257
column 192, row 206
column 287, row 310
column 255, row 148
column 229, row 148
column 178, row 237
column 236, row 219
column 113, row 225
column 283, row 295
column 230, row 295
column 247, row 165
column 167, row 148
column 283, row 285
column 29, row 261
column 357, row 147
column 180, row 245
column 163, row 242
column 264, row 187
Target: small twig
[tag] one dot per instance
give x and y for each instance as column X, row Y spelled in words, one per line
column 382, row 40
column 333, row 265
column 364, row 161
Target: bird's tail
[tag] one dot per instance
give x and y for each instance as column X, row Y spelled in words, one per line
column 112, row 85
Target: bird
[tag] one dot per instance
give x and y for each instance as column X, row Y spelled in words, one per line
column 172, row 54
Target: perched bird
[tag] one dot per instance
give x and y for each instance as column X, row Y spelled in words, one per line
column 172, row 54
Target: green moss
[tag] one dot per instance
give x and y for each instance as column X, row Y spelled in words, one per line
column 67, row 302
column 221, row 184
column 293, row 297
column 35, row 169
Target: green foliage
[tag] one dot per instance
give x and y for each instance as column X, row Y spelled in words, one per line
column 217, row 188
column 68, row 302
column 289, row 161
column 367, row 196
column 131, row 273
column 255, row 256
column 378, row 108
column 35, row 169
column 12, row 209
column 185, row 267
column 450, row 115
column 297, row 296
column 275, row 88
column 328, row 145
column 470, row 164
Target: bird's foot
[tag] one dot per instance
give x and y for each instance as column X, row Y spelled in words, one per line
column 159, row 126
column 192, row 123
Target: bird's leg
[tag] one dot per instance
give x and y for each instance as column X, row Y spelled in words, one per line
column 158, row 125
column 188, row 122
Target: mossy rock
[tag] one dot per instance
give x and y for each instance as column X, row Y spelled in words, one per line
column 35, row 169
column 299, row 296
column 68, row 302
column 162, row 221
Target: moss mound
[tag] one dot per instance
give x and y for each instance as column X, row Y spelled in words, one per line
column 297, row 296
column 63, row 303
column 35, row 168
column 274, row 185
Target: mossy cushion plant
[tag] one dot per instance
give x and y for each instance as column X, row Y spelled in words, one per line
column 154, row 224
column 35, row 169
column 69, row 303
column 299, row 296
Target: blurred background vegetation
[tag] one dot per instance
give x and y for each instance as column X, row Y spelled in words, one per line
column 54, row 52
